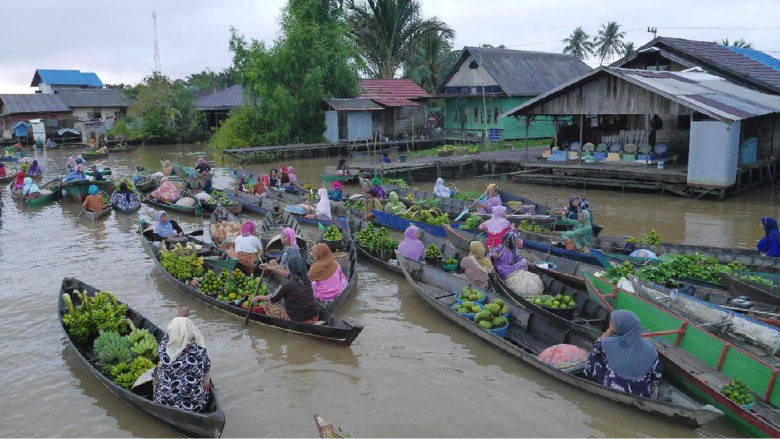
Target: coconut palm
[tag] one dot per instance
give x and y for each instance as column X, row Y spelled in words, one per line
column 628, row 48
column 430, row 60
column 737, row 43
column 578, row 44
column 609, row 41
column 386, row 32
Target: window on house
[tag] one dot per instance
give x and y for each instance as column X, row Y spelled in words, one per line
column 495, row 115
column 457, row 113
column 489, row 117
column 473, row 65
column 476, row 114
column 482, row 115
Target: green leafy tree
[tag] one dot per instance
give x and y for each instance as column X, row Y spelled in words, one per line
column 165, row 111
column 628, row 48
column 213, row 81
column 431, row 59
column 736, row 43
column 313, row 59
column 387, row 31
column 578, row 44
column 609, row 41
column 490, row 46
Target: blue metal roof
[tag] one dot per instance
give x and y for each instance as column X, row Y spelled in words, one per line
column 66, row 77
column 757, row 55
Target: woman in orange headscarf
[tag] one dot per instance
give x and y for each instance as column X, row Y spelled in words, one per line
column 326, row 275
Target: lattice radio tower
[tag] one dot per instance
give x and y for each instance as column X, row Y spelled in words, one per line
column 156, row 47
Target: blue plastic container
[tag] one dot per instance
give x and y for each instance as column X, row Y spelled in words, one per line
column 478, row 302
column 469, row 316
column 499, row 332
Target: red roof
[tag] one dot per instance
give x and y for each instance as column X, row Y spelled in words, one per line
column 391, row 88
column 395, row 102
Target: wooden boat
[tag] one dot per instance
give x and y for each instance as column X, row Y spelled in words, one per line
column 701, row 362
column 147, row 183
column 345, row 179
column 207, row 424
column 91, row 155
column 755, row 291
column 94, row 216
column 356, row 225
column 253, row 203
column 52, row 186
column 397, row 223
column 736, row 327
column 10, row 176
column 334, row 329
column 270, row 229
column 78, row 190
column 8, row 159
column 251, row 176
column 530, row 333
column 132, row 208
column 122, row 147
column 230, row 205
column 105, row 171
column 349, row 268
column 197, row 209
column 325, row 429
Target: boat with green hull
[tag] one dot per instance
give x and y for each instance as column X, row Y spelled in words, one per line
column 702, row 362
column 49, row 192
column 78, row 190
column 197, row 209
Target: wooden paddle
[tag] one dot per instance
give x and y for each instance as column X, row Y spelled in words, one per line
column 465, row 211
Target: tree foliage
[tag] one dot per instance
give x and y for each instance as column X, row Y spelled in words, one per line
column 313, row 59
column 165, row 111
column 387, row 32
column 430, row 60
column 214, row 81
column 578, row 44
column 737, row 43
column 609, row 41
column 628, row 48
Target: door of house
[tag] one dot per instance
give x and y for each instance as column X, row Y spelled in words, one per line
column 343, row 133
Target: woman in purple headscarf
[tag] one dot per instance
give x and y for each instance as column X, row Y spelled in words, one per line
column 34, row 170
column 411, row 247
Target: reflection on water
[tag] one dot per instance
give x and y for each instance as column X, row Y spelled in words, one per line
column 410, row 373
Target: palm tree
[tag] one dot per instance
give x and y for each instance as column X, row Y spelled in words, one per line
column 430, row 60
column 578, row 44
column 386, row 32
column 628, row 48
column 609, row 41
column 737, row 43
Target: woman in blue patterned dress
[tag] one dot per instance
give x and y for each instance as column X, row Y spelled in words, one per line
column 182, row 377
column 622, row 360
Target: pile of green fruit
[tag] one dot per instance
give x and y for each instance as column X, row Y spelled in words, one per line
column 449, row 261
column 532, row 227
column 353, row 205
column 555, row 302
column 738, row 392
column 210, row 283
column 128, row 182
column 429, row 202
column 400, row 182
column 756, row 279
column 126, row 358
column 432, row 252
column 468, row 307
column 694, row 266
column 467, row 196
column 487, row 320
column 182, row 266
column 237, row 286
column 364, row 236
column 470, row 294
column 101, row 312
column 432, row 216
column 332, row 233
column 497, row 307
column 472, row 222
column 617, row 272
column 219, row 197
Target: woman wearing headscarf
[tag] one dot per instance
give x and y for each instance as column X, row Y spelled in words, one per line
column 71, row 166
column 394, row 206
column 372, row 203
column 34, row 170
column 248, row 248
column 30, row 189
column 273, row 180
column 167, row 192
column 496, row 227
column 289, row 250
column 124, row 198
column 167, row 169
column 96, row 175
column 440, row 190
column 581, row 237
column 181, row 379
column 291, row 175
column 94, row 201
column 19, row 182
column 165, row 227
column 3, row 173
column 337, row 192
column 326, row 276
column 507, row 258
column 477, row 266
column 412, row 247
column 202, row 166
column 377, row 186
column 622, row 360
column 77, row 174
column 298, row 294
column 342, row 168
column 493, row 199
column 241, row 183
column 585, row 205
column 323, row 206
column 770, row 243
column 205, row 182
column 572, row 211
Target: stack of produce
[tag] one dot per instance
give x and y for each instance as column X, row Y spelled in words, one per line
column 739, row 393
column 218, row 196
column 449, row 264
column 185, row 202
column 672, row 268
column 487, row 320
column 182, row 262
column 497, row 307
column 472, row 222
column 127, row 181
column 532, row 227
column 355, row 205
column 433, row 254
column 332, row 233
column 223, row 230
column 365, row 236
column 433, row 216
column 470, row 294
column 99, row 313
column 468, row 308
column 557, row 302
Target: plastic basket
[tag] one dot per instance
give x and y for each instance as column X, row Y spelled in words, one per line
column 334, row 245
column 479, row 302
column 749, row 406
column 449, row 268
column 469, row 316
column 499, row 332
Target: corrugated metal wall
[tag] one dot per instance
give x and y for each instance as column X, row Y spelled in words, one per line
column 331, row 133
column 714, row 154
column 359, row 125
column 513, row 128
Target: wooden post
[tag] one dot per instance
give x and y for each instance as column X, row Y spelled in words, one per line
column 582, row 123
column 527, row 124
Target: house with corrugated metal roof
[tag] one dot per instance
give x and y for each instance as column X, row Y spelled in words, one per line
column 105, row 104
column 49, row 81
column 15, row 108
column 216, row 106
column 485, row 82
column 385, row 109
column 710, row 134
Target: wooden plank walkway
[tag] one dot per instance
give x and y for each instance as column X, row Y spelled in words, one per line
column 514, row 157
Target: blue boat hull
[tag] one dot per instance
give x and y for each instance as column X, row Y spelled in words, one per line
column 396, row 222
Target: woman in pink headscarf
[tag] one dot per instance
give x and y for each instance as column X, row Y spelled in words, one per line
column 262, row 184
column 411, row 247
column 290, row 249
column 496, row 227
column 248, row 248
column 291, row 174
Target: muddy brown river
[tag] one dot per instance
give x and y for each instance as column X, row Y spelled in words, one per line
column 410, row 373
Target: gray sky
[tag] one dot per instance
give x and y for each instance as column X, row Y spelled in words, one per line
column 116, row 40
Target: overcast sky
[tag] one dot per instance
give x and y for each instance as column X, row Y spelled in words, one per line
column 116, row 39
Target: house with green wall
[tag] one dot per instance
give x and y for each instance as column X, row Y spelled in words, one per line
column 484, row 83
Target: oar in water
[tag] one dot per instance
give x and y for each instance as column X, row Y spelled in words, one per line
column 466, row 210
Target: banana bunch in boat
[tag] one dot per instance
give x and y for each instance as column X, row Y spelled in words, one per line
column 219, row 196
column 432, row 216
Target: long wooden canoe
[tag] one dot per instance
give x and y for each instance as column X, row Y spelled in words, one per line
column 356, row 225
column 739, row 287
column 78, row 190
column 197, row 209
column 270, row 228
column 10, row 176
column 349, row 269
column 132, row 208
column 253, row 203
column 52, row 186
column 333, row 329
column 703, row 363
column 530, row 333
column 94, row 216
column 232, row 206
column 207, row 424
column 91, row 155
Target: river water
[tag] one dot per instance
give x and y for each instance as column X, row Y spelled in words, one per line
column 410, row 373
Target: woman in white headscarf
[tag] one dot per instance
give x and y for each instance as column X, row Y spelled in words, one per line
column 181, row 380
column 440, row 190
column 323, row 206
